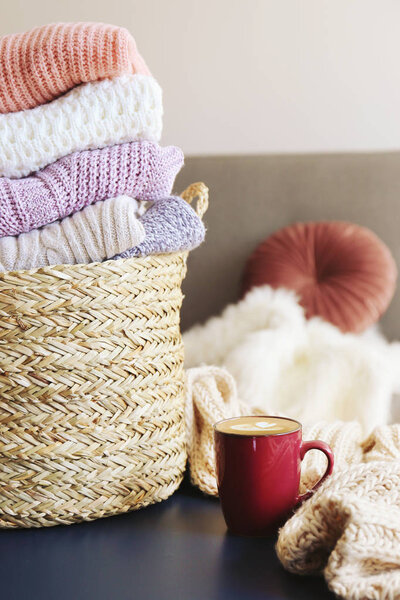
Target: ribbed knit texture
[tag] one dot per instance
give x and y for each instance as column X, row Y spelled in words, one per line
column 171, row 225
column 92, row 115
column 210, row 396
column 41, row 64
column 142, row 170
column 344, row 437
column 91, row 235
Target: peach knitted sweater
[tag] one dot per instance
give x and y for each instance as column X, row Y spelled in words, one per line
column 41, row 64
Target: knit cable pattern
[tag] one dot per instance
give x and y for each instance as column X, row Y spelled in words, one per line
column 141, row 170
column 93, row 115
column 41, row 64
column 93, row 234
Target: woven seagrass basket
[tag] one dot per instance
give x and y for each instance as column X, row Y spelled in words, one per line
column 91, row 387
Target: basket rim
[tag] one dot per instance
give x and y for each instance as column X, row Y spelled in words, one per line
column 116, row 265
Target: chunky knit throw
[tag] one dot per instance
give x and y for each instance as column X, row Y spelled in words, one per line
column 171, row 225
column 92, row 115
column 283, row 362
column 38, row 65
column 350, row 527
column 91, row 235
column 351, row 531
column 142, row 170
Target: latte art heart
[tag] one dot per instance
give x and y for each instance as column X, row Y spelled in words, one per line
column 253, row 425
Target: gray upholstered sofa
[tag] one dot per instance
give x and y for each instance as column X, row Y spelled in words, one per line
column 251, row 196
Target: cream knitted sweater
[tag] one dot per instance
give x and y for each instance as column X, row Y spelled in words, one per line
column 92, row 115
column 350, row 528
column 97, row 232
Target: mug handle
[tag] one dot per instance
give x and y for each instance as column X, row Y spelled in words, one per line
column 316, row 445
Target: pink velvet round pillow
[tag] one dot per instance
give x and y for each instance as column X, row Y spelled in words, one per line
column 341, row 272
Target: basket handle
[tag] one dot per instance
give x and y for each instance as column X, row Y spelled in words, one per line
column 200, row 191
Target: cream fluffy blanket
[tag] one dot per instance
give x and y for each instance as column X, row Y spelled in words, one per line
column 305, row 369
column 350, row 528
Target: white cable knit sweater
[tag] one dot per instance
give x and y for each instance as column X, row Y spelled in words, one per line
column 92, row 115
column 93, row 234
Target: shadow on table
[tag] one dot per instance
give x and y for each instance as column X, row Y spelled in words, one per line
column 250, row 567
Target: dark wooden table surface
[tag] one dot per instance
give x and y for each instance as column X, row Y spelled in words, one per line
column 176, row 550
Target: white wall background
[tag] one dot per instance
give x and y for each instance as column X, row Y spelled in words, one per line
column 248, row 76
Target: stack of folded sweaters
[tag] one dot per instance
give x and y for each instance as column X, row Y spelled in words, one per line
column 82, row 177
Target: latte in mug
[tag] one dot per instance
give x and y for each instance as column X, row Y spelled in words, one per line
column 258, row 466
column 254, row 425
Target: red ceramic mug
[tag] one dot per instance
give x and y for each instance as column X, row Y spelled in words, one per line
column 258, row 461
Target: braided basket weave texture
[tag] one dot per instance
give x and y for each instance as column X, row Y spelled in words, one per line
column 91, row 387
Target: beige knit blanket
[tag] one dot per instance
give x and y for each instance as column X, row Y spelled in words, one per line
column 350, row 528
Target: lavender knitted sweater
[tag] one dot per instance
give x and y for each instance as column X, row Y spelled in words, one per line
column 171, row 225
column 142, row 170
